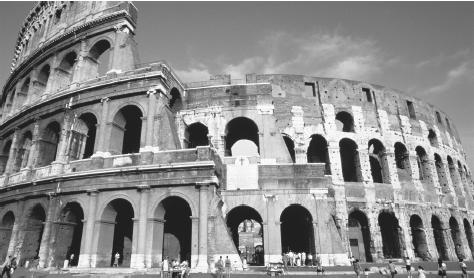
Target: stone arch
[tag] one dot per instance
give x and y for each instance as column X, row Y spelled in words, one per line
column 99, row 57
column 25, row 88
column 65, row 71
column 126, row 130
column 176, row 101
column 402, row 160
column 48, row 145
column 5, row 155
column 420, row 244
column 82, row 137
column 290, row 146
column 423, row 163
column 391, row 232
column 115, row 229
column 440, row 170
column 172, row 230
column 433, row 138
column 297, row 233
column 68, row 233
column 237, row 129
column 8, row 220
column 34, row 225
column 192, row 206
column 452, row 172
column 196, row 134
column 351, row 169
column 23, row 152
column 440, row 241
column 378, row 162
column 469, row 235
column 43, row 78
column 359, row 236
column 22, row 94
column 318, row 152
column 456, row 236
column 345, row 122
column 244, row 220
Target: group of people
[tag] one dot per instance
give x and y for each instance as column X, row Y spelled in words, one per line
column 175, row 268
column 391, row 269
column 223, row 266
column 300, row 259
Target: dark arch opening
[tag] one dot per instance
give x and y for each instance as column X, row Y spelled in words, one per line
column 172, row 238
column 91, row 121
column 33, row 234
column 43, row 78
column 443, row 182
column 391, row 235
column 438, row 233
column 378, row 162
column 318, row 152
column 65, row 71
column 197, row 135
column 100, row 54
column 297, row 233
column 240, row 128
column 423, row 164
column 23, row 151
column 126, row 131
column 4, row 156
column 5, row 233
column 350, row 160
column 469, row 235
column 402, row 160
column 176, row 102
column 246, row 227
column 419, row 237
column 115, row 233
column 452, row 174
column 290, row 145
column 48, row 146
column 456, row 235
column 432, row 138
column 25, row 88
column 359, row 236
column 344, row 122
column 69, row 234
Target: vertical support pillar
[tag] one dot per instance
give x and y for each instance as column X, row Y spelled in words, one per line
column 13, row 152
column 123, row 51
column 432, row 249
column 12, row 247
column 272, row 232
column 32, row 157
column 203, row 265
column 194, row 241
column 142, row 227
column 150, row 118
column 336, row 165
column 88, row 230
column 44, row 248
column 101, row 148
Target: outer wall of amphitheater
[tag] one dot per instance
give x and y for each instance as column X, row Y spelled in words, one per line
column 101, row 154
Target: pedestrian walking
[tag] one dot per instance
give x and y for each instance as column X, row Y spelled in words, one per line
column 356, row 266
column 71, row 258
column 443, row 270
column 116, row 259
column 408, row 266
column 220, row 267
column 392, row 269
column 310, row 259
column 303, row 258
column 421, row 272
column 463, row 267
column 228, row 266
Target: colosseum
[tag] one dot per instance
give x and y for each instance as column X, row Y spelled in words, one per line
column 103, row 154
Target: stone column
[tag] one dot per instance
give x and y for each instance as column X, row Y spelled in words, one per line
column 392, row 172
column 32, row 157
column 154, row 247
column 202, row 265
column 44, row 248
column 432, row 249
column 80, row 70
column 101, row 146
column 13, row 152
column 406, row 230
column 88, row 230
column 376, row 235
column 122, row 56
column 149, row 120
column 61, row 157
column 16, row 229
column 142, row 226
column 300, row 155
column 272, row 232
column 194, row 241
column 335, row 159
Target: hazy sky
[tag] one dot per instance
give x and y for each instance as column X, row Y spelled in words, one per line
column 423, row 48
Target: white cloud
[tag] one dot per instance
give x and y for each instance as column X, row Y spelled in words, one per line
column 194, row 74
column 461, row 73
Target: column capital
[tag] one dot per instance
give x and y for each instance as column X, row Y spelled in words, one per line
column 143, row 187
column 92, row 192
column 104, row 100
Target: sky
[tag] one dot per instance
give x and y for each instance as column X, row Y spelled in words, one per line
column 425, row 49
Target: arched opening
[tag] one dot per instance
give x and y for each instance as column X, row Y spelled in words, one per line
column 318, row 152
column 456, row 235
column 432, row 138
column 290, row 145
column 126, row 131
column 42, row 79
column 246, row 227
column 115, row 233
column 65, row 71
column 5, row 233
column 452, row 174
column 359, row 236
column 469, row 235
column 196, row 135
column 391, row 235
column 423, row 164
column 419, row 237
column 378, row 162
column 402, row 160
column 344, row 122
column 443, row 182
column 33, row 232
column 68, row 234
column 9, row 103
column 25, row 88
column 99, row 57
column 241, row 128
column 350, row 160
column 82, row 138
column 22, row 94
column 297, row 233
column 23, row 151
column 176, row 102
column 462, row 176
column 4, row 156
column 438, row 233
column 172, row 231
column 48, row 145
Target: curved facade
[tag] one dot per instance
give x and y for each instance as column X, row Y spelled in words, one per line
column 101, row 154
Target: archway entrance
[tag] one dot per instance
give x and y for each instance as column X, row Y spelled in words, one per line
column 69, row 234
column 297, row 234
column 456, row 235
column 350, row 161
column 196, row 135
column 468, row 231
column 419, row 237
column 438, row 234
column 126, row 131
column 5, row 233
column 240, row 128
column 359, row 236
column 115, row 233
column 390, row 230
column 172, row 230
column 246, row 226
column 32, row 234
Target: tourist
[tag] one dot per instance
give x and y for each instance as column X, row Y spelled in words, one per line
column 421, row 272
column 310, row 259
column 7, row 267
column 442, row 269
column 303, row 258
column 408, row 266
column 220, row 267
column 298, row 259
column 228, row 266
column 392, row 269
column 116, row 259
column 71, row 258
column 356, row 266
column 184, row 269
column 292, row 258
column 165, row 267
column 463, row 267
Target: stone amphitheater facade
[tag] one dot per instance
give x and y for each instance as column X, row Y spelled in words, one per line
column 104, row 155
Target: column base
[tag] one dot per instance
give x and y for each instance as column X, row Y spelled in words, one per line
column 137, row 261
column 84, row 261
column 101, row 154
column 149, row 149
